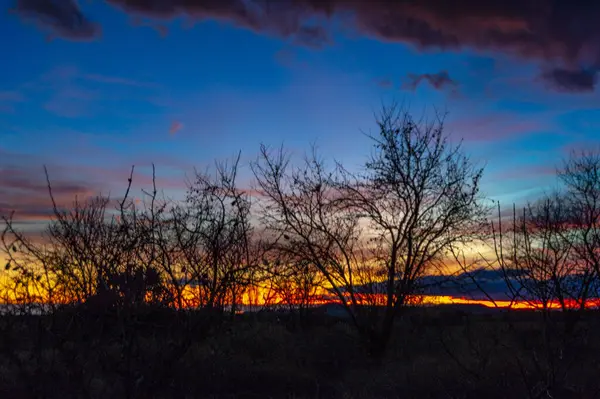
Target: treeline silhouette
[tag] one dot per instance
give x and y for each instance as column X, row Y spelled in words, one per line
column 145, row 298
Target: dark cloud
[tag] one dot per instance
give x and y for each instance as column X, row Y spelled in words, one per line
column 439, row 81
column 64, row 17
column 580, row 80
column 556, row 33
column 285, row 18
column 313, row 36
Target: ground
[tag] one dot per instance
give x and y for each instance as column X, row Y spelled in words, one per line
column 435, row 353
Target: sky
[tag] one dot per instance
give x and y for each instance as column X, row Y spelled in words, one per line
column 91, row 88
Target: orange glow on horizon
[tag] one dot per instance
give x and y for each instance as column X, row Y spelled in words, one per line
column 421, row 300
column 265, row 297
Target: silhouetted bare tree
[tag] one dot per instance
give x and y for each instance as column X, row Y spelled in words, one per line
column 214, row 234
column 301, row 211
column 580, row 175
column 418, row 197
column 548, row 258
column 538, row 257
column 89, row 252
column 550, row 253
column 296, row 285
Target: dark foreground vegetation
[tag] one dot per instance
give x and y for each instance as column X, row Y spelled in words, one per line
column 140, row 297
column 154, row 353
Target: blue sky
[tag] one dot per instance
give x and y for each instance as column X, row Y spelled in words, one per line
column 185, row 87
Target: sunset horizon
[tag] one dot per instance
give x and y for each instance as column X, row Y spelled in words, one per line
column 299, row 199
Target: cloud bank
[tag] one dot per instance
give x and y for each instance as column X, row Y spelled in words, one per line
column 562, row 36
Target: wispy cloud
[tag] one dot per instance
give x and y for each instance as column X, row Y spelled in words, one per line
column 176, row 126
column 579, row 147
column 524, row 172
column 384, row 83
column 8, row 100
column 71, row 101
column 68, row 92
column 24, row 190
column 116, row 80
column 496, row 126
